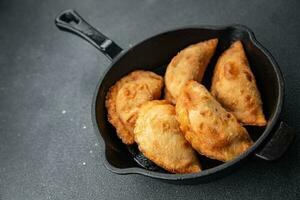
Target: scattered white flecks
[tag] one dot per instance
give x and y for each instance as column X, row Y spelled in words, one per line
column 96, row 144
column 84, row 126
column 83, row 163
column 91, row 151
column 130, row 45
column 63, row 111
column 71, row 119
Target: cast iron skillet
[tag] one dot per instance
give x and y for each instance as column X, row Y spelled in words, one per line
column 154, row 54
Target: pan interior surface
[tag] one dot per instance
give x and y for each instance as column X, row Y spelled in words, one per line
column 154, row 54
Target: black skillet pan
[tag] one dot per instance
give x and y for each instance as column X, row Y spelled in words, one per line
column 154, row 54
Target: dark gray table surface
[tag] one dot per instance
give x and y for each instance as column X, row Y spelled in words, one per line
column 48, row 149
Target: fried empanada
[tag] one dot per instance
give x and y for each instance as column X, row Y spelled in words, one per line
column 159, row 138
column 125, row 97
column 234, row 86
column 189, row 64
column 208, row 127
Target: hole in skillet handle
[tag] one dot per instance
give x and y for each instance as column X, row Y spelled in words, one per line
column 69, row 18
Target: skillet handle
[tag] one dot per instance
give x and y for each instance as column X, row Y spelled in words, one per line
column 278, row 143
column 71, row 21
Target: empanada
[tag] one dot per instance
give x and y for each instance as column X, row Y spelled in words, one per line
column 234, row 86
column 189, row 64
column 208, row 127
column 125, row 97
column 159, row 138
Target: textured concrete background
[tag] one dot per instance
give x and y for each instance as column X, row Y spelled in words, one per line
column 48, row 149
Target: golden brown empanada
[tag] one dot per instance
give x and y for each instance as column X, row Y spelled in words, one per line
column 189, row 64
column 125, row 97
column 159, row 138
column 209, row 128
column 234, row 86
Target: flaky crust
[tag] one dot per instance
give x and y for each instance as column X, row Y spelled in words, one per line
column 159, row 138
column 208, row 127
column 189, row 64
column 125, row 97
column 234, row 86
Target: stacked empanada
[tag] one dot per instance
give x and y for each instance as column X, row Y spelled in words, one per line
column 160, row 139
column 189, row 64
column 210, row 129
column 124, row 99
column 210, row 123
